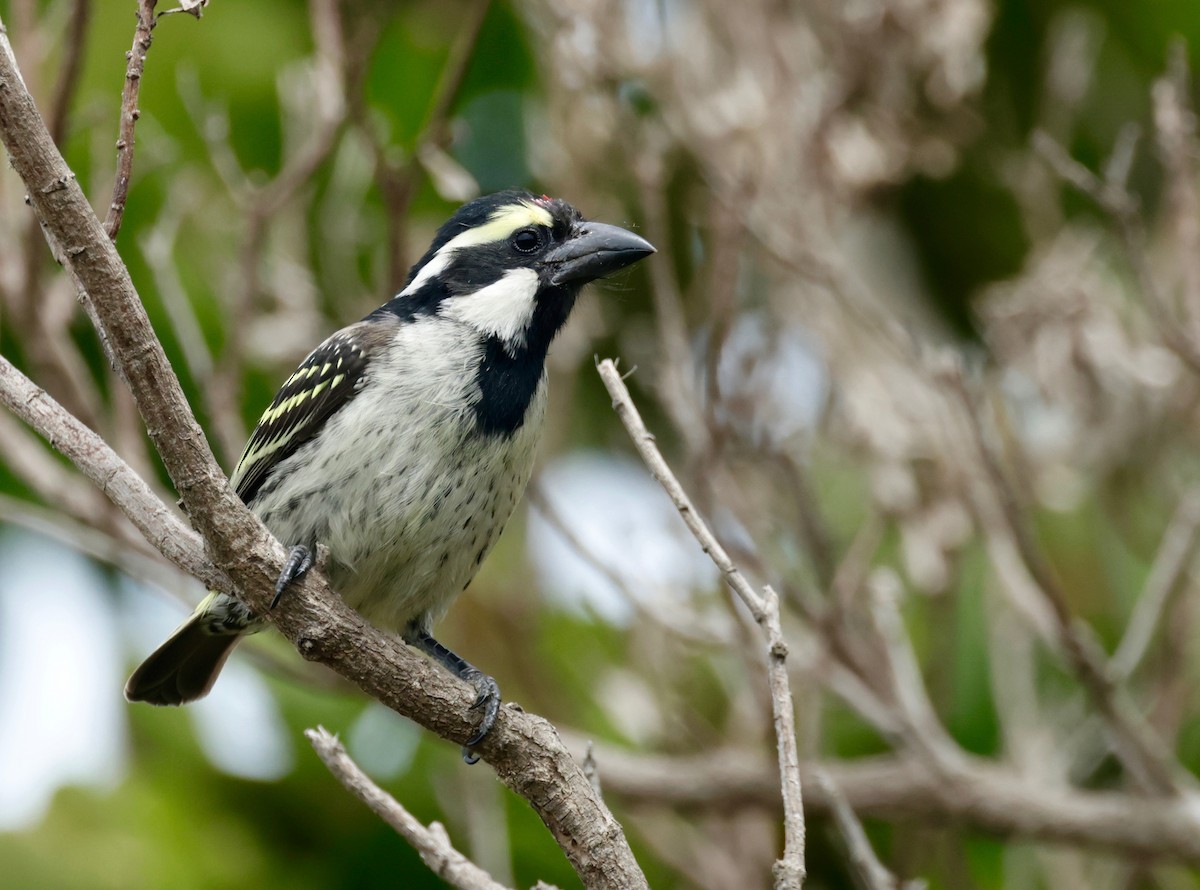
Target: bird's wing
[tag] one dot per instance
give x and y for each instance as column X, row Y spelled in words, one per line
column 324, row 383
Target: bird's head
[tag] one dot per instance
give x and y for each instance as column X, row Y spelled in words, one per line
column 511, row 264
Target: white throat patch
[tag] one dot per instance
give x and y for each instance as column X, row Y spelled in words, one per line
column 503, row 308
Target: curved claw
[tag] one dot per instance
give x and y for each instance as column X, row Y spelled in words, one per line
column 487, row 692
column 299, row 561
column 487, row 699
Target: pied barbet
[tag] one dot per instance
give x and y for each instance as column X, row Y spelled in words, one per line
column 403, row 442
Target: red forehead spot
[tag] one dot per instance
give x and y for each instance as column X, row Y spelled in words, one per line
column 545, row 199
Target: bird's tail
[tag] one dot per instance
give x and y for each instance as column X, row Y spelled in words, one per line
column 185, row 667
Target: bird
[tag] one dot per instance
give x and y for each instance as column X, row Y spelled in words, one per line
column 404, row 441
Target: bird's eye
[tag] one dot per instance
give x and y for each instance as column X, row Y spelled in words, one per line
column 526, row 240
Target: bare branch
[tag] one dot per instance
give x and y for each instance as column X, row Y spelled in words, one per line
column 398, row 184
column 68, row 80
column 789, row 870
column 113, row 476
column 136, row 57
column 431, row 842
column 1166, row 576
column 524, row 749
column 1134, row 740
column 1121, row 207
column 983, row 796
column 96, row 543
column 1175, row 122
column 872, row 873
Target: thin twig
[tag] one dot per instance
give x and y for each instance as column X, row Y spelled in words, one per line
column 1121, row 207
column 125, row 488
column 1133, row 739
column 669, row 621
column 789, row 870
column 72, row 64
column 431, row 842
column 1175, row 123
column 398, row 185
column 136, row 58
column 872, row 874
column 1166, row 576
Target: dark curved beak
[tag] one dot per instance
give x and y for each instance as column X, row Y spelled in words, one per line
column 592, row 251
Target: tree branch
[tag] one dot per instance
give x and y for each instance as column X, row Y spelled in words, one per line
column 525, row 750
column 789, row 870
column 983, row 796
column 1170, row 567
column 125, row 488
column 872, row 873
column 136, row 57
column 1134, row 740
column 431, row 842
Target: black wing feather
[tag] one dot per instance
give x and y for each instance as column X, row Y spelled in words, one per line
column 325, row 382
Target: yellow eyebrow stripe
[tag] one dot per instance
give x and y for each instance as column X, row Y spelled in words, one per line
column 501, row 224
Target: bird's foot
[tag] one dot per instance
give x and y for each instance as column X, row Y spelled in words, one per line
column 300, row 560
column 487, row 701
column 487, row 692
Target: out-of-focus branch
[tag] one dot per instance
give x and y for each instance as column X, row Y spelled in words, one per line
column 675, row 381
column 398, row 183
column 44, row 321
column 431, row 842
column 326, row 27
column 134, row 557
column 113, row 476
column 1134, row 740
column 27, row 459
column 78, row 20
column 872, row 873
column 789, row 870
column 260, row 206
column 134, row 561
column 984, row 796
column 1166, row 577
column 1121, row 207
column 670, row 621
column 525, row 751
column 1175, row 123
column 921, row 730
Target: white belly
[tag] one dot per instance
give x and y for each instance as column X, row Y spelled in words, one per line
column 403, row 489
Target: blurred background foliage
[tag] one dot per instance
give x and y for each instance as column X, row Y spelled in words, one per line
column 228, row 103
